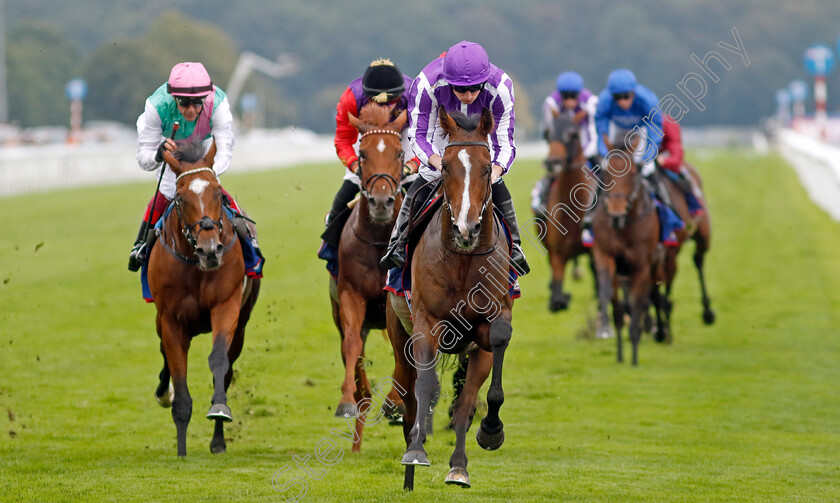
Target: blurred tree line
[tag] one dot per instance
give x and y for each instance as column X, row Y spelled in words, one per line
column 125, row 52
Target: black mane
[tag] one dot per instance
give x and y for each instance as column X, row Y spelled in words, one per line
column 467, row 123
column 190, row 152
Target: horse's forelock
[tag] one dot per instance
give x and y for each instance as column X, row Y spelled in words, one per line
column 190, row 152
column 374, row 115
column 465, row 122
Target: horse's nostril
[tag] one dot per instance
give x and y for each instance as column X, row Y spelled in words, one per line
column 476, row 229
column 219, row 248
column 390, row 201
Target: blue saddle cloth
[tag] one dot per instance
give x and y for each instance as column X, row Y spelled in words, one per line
column 399, row 280
column 694, row 205
column 669, row 223
column 330, row 254
column 253, row 262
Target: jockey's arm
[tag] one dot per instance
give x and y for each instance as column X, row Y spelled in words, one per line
column 223, row 136
column 346, row 134
column 149, row 137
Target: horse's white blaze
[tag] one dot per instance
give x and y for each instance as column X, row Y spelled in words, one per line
column 380, row 146
column 464, row 157
column 198, row 185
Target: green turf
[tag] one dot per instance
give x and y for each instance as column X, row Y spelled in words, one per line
column 745, row 410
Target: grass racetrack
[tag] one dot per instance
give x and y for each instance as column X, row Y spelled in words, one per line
column 745, row 410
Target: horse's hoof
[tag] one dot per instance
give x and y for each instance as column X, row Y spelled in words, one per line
column 393, row 413
column 708, row 316
column 489, row 441
column 168, row 397
column 346, row 410
column 218, row 447
column 458, row 476
column 415, row 457
column 660, row 335
column 559, row 302
column 605, row 333
column 220, row 411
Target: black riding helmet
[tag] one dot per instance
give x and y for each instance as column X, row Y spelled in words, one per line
column 383, row 81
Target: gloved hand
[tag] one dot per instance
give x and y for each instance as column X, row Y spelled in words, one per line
column 160, row 151
column 409, row 168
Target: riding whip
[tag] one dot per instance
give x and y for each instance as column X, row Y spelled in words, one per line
column 149, row 226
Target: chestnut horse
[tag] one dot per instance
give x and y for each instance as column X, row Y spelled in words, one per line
column 698, row 228
column 564, row 216
column 459, row 301
column 198, row 282
column 357, row 297
column 626, row 244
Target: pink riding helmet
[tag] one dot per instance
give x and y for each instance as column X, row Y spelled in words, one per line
column 189, row 79
column 466, row 64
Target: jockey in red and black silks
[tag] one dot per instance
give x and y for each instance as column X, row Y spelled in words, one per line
column 384, row 84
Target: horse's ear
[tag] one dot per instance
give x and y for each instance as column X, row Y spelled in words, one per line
column 485, row 126
column 446, row 122
column 174, row 164
column 354, row 121
column 398, row 123
column 210, row 157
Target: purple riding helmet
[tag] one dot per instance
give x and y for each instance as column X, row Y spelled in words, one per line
column 466, row 64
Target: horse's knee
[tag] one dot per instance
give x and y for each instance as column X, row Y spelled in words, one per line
column 500, row 332
column 182, row 410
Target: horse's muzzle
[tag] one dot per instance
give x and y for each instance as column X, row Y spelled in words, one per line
column 210, row 255
column 618, row 221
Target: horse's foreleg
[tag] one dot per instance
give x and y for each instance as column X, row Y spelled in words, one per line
column 491, row 433
column 404, row 373
column 605, row 272
column 218, row 444
column 639, row 296
column 362, row 395
column 480, row 365
column 352, row 313
column 164, row 393
column 224, row 320
column 423, row 350
column 701, row 238
column 176, row 345
column 559, row 300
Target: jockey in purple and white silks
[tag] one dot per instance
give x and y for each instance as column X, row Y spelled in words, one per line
column 203, row 114
column 461, row 80
column 569, row 97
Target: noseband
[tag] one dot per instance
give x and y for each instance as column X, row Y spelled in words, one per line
column 489, row 189
column 205, row 223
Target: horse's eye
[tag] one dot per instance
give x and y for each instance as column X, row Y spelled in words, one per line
column 443, row 166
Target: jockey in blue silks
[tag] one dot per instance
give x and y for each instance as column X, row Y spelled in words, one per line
column 624, row 106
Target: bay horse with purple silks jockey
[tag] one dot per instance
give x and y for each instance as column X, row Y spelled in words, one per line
column 460, row 303
column 356, row 295
column 197, row 280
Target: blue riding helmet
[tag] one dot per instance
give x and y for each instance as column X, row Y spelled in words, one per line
column 621, row 81
column 466, row 64
column 569, row 81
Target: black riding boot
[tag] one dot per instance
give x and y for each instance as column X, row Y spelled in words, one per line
column 395, row 255
column 240, row 225
column 139, row 254
column 339, row 213
column 503, row 201
column 659, row 188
